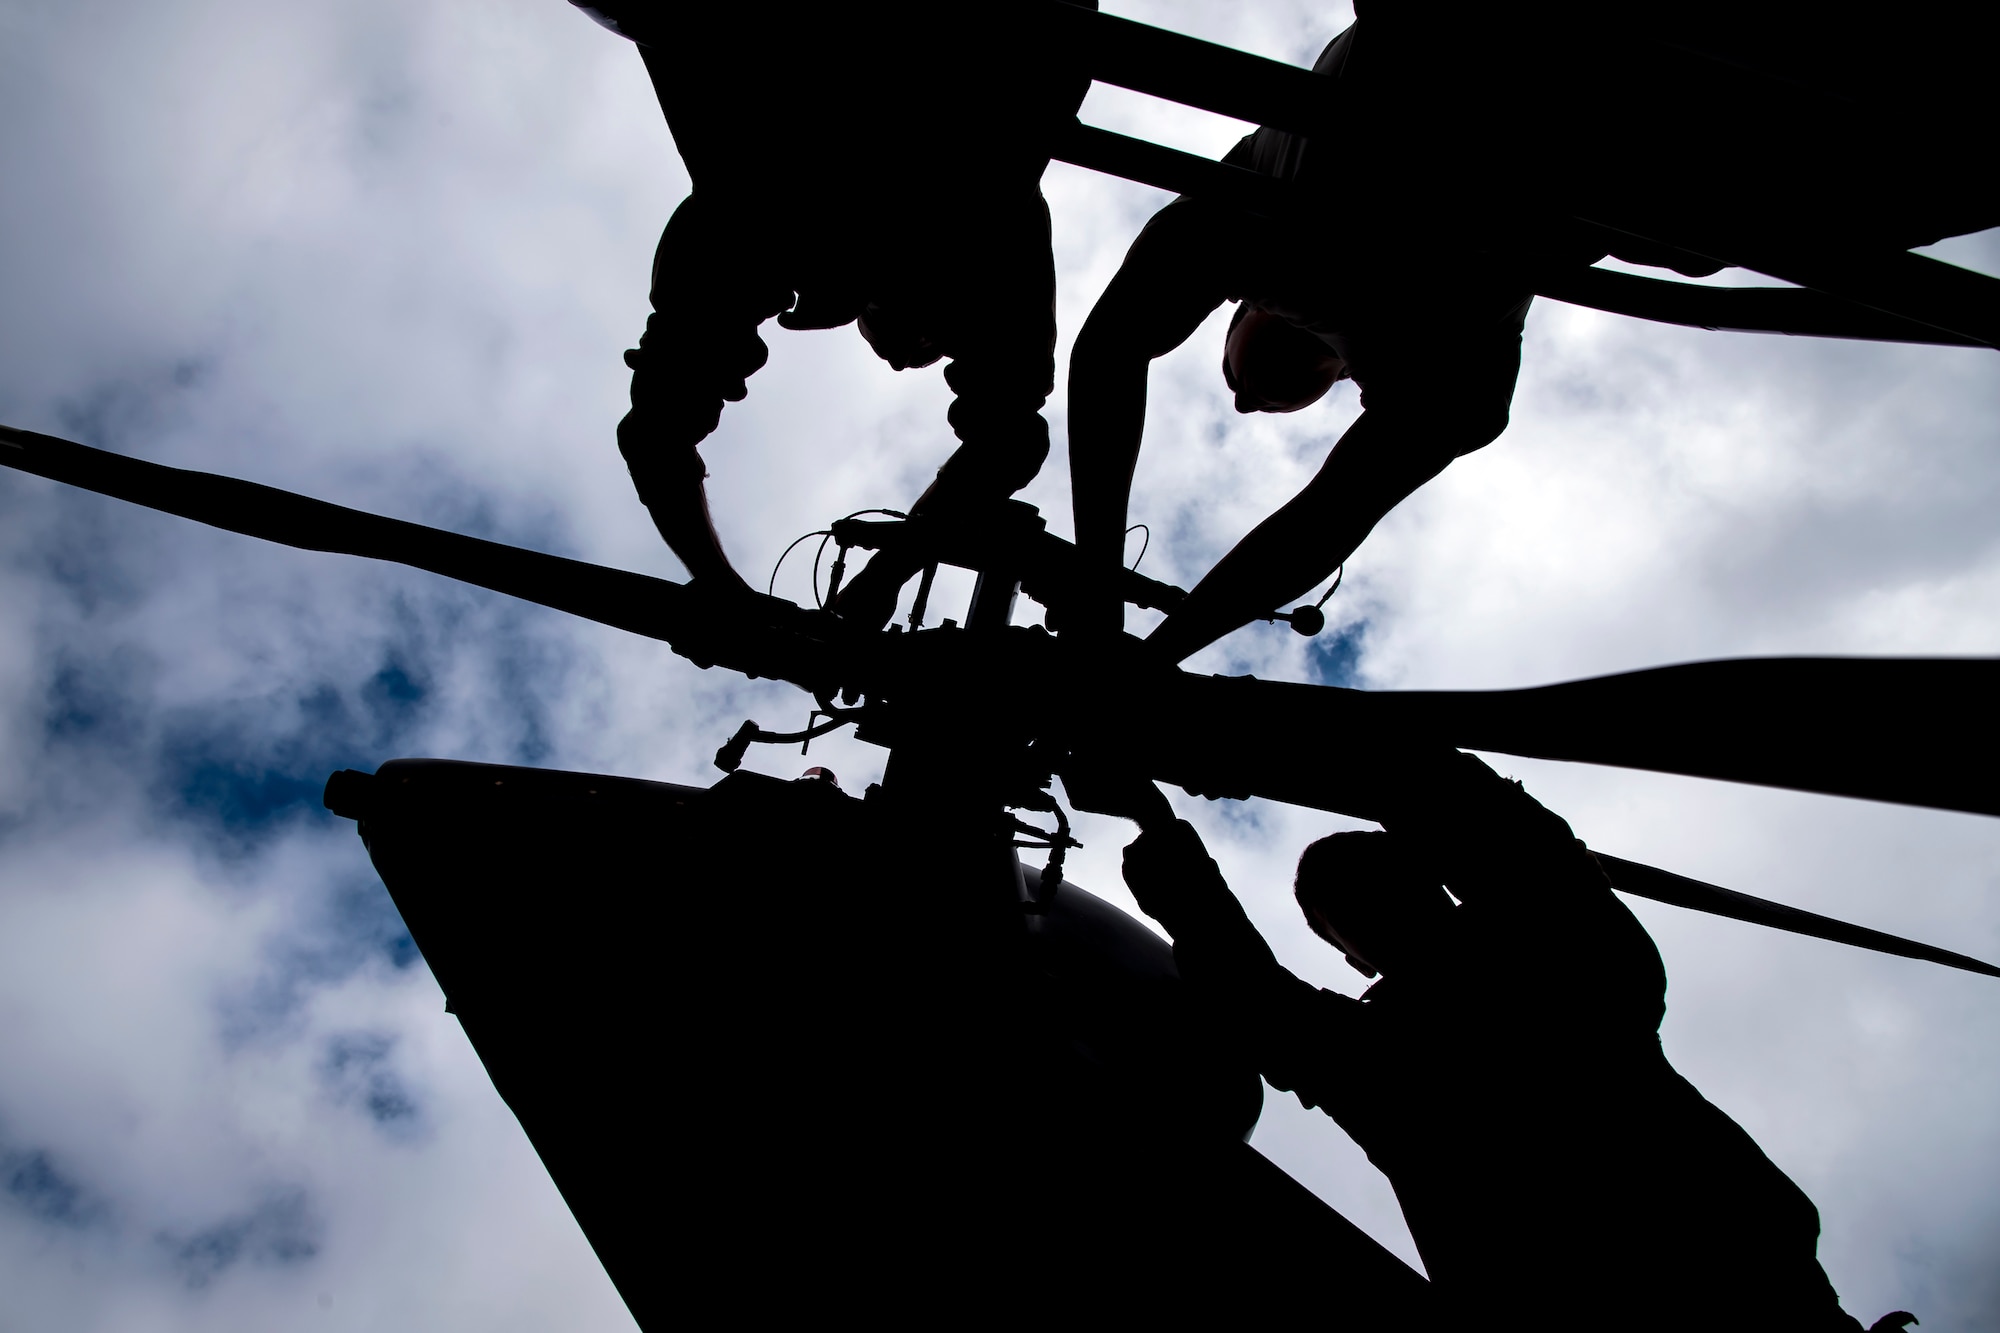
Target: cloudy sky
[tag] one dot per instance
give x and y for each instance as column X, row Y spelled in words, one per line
column 389, row 253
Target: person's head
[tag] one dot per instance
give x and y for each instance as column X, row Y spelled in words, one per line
column 1362, row 895
column 1272, row 365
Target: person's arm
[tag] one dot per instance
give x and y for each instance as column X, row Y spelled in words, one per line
column 699, row 349
column 985, row 298
column 1179, row 885
column 1377, row 464
column 1294, row 1031
column 1538, row 894
column 669, row 481
column 1169, row 283
column 1428, row 405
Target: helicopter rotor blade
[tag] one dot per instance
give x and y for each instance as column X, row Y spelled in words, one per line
column 1911, row 731
column 1663, row 886
column 1358, row 754
column 1796, row 311
column 1340, row 750
column 1879, row 729
column 755, row 634
column 1906, row 730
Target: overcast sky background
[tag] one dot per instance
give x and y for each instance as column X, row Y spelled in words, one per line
column 388, row 254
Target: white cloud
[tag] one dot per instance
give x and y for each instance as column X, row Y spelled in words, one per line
column 390, row 256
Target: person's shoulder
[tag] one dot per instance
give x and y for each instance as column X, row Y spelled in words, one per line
column 1334, row 54
column 1323, row 1007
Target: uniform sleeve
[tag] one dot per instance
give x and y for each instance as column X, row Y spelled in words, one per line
column 1179, row 885
column 1307, row 1041
column 1294, row 1031
column 1531, row 890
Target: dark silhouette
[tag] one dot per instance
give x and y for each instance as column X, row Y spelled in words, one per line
column 1328, row 290
column 1506, row 1073
column 747, row 937
column 876, row 164
column 1543, row 137
column 786, row 1051
column 1402, row 217
column 776, row 1072
column 1759, row 721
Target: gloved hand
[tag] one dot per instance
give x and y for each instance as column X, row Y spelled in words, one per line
column 1179, row 885
column 1175, row 880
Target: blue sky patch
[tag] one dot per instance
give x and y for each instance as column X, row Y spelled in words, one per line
column 281, row 1230
column 113, row 411
column 354, row 925
column 93, row 700
column 356, row 1071
column 245, row 776
column 1334, row 657
column 32, row 1180
column 78, row 548
column 361, row 924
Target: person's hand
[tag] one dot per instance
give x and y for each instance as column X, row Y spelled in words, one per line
column 1106, row 789
column 1162, row 854
column 1178, row 884
column 870, row 597
column 1094, row 607
column 1151, row 867
column 1088, row 617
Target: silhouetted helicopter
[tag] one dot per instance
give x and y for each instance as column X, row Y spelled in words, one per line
column 708, row 1008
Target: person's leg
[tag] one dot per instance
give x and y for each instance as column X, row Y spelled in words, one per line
column 712, row 286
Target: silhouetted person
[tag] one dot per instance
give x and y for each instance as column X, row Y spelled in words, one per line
column 1338, row 288
column 1469, row 147
column 875, row 163
column 1506, row 1073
